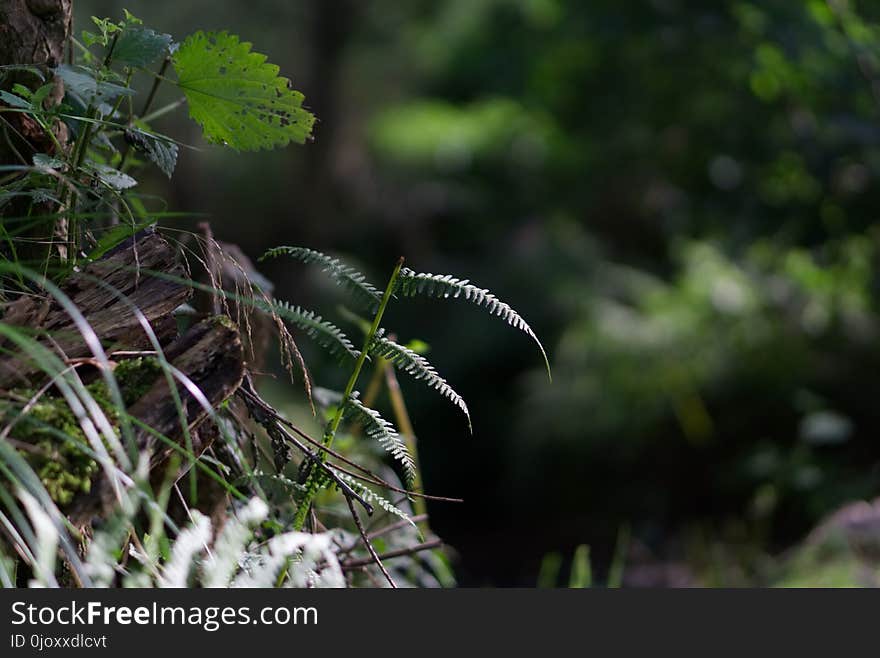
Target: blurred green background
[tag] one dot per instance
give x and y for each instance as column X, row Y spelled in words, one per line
column 679, row 196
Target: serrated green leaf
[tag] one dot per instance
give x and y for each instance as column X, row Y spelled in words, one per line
column 33, row 70
column 14, row 101
column 236, row 96
column 160, row 151
column 138, row 46
column 79, row 81
column 45, row 161
column 113, row 177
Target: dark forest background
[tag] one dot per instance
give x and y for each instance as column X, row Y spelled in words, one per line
column 679, row 196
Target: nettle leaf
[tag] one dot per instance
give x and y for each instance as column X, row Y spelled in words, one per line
column 27, row 68
column 161, row 151
column 113, row 177
column 138, row 46
column 41, row 93
column 44, row 161
column 80, row 82
column 14, row 101
column 236, row 96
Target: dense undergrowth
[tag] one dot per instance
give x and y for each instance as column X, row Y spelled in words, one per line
column 148, row 457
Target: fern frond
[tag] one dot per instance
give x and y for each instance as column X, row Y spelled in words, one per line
column 346, row 277
column 325, row 333
column 411, row 284
column 418, row 367
column 372, row 497
column 382, row 431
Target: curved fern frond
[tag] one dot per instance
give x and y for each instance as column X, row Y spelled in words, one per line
column 418, row 367
column 372, row 497
column 382, row 431
column 326, row 334
column 346, row 277
column 411, row 284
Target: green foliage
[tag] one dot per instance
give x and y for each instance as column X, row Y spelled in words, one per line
column 380, row 430
column 140, row 47
column 372, row 497
column 444, row 286
column 581, row 570
column 52, row 443
column 161, row 151
column 80, row 188
column 236, row 96
column 418, row 367
column 326, row 334
column 136, row 376
column 82, row 84
column 345, row 276
column 431, row 134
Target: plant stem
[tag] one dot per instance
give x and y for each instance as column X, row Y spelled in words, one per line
column 146, row 108
column 156, row 82
column 312, row 482
column 80, row 149
column 162, row 111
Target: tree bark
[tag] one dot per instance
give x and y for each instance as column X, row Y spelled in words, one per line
column 32, row 32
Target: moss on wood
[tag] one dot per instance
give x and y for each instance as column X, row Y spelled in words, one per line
column 50, row 437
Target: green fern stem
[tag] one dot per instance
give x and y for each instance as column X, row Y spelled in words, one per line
column 312, row 483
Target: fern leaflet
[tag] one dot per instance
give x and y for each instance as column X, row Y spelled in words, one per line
column 372, row 497
column 326, row 334
column 382, row 431
column 346, row 277
column 418, row 367
column 411, row 284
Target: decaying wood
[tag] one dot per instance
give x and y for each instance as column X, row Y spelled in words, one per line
column 123, row 272
column 209, row 354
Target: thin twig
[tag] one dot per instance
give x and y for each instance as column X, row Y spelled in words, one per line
column 269, row 422
column 368, row 476
column 375, row 557
column 345, row 550
column 401, row 552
